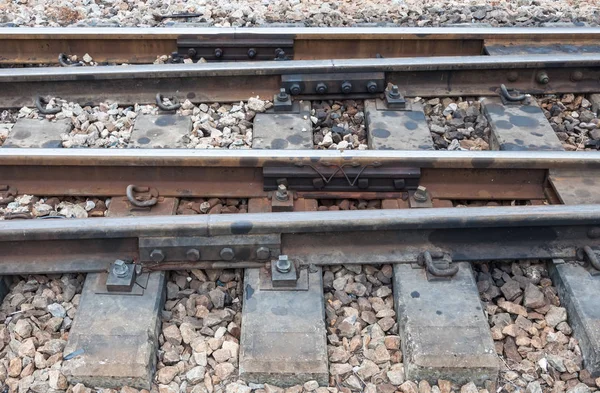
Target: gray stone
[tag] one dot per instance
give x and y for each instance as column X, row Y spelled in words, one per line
column 511, row 290
column 444, row 332
column 217, row 297
column 533, row 298
column 555, row 315
column 195, row 375
column 57, row 310
column 34, row 133
column 118, row 334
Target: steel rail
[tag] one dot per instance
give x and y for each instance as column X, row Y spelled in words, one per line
column 442, row 63
column 300, row 222
column 367, row 33
column 143, row 45
column 229, row 82
column 149, row 158
column 374, row 236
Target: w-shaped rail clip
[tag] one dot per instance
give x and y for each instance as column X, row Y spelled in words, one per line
column 590, row 257
column 438, row 265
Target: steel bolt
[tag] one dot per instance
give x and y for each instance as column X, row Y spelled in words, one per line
column 372, row 87
column 282, row 193
column 283, row 264
column 594, row 233
column 576, row 76
column 512, row 76
column 394, row 92
column 157, row 255
column 120, row 268
column 218, row 53
column 283, row 95
column 542, row 78
column 295, row 89
column 227, row 254
column 193, row 255
column 192, row 52
column 421, row 194
column 252, row 53
column 321, row 88
column 346, row 87
column 279, row 53
column 263, row 253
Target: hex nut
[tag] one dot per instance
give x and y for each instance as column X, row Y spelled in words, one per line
column 193, row 255
column 227, row 253
column 157, row 255
column 263, row 253
column 321, row 88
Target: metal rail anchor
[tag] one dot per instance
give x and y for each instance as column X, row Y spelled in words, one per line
column 589, row 256
column 283, row 273
column 134, row 201
column 512, row 99
column 438, row 265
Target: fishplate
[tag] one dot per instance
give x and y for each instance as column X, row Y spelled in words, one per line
column 231, row 248
column 236, row 46
column 347, row 84
column 347, row 177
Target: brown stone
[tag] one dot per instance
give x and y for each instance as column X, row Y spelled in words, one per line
column 510, row 350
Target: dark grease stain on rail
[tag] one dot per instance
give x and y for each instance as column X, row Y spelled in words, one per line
column 241, row 227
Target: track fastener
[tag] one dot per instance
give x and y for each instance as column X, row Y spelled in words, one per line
column 346, row 87
column 421, row 194
column 372, row 87
column 157, row 255
column 120, row 268
column 283, row 264
column 193, row 254
column 263, row 253
column 227, row 253
column 542, row 77
column 321, row 88
column 282, row 193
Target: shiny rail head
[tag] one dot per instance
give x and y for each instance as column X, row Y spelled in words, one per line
column 243, row 68
column 259, row 158
column 302, row 222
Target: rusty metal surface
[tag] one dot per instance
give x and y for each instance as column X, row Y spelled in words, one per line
column 575, row 187
column 135, row 45
column 422, row 76
column 299, row 222
column 322, row 238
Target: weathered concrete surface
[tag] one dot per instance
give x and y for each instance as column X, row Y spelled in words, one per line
column 397, row 130
column 283, row 338
column 579, row 293
column 118, row 334
column 283, row 130
column 161, row 131
column 519, row 127
column 443, row 329
column 37, row 133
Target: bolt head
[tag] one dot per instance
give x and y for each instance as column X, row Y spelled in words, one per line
column 321, row 88
column 346, row 87
column 421, row 194
column 372, row 87
column 227, row 253
column 192, row 52
column 120, row 268
column 157, row 255
column 193, row 255
column 283, row 264
column 218, row 52
column 251, row 53
column 263, row 253
column 295, row 89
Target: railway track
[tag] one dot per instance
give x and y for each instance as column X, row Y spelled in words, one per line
column 315, row 196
